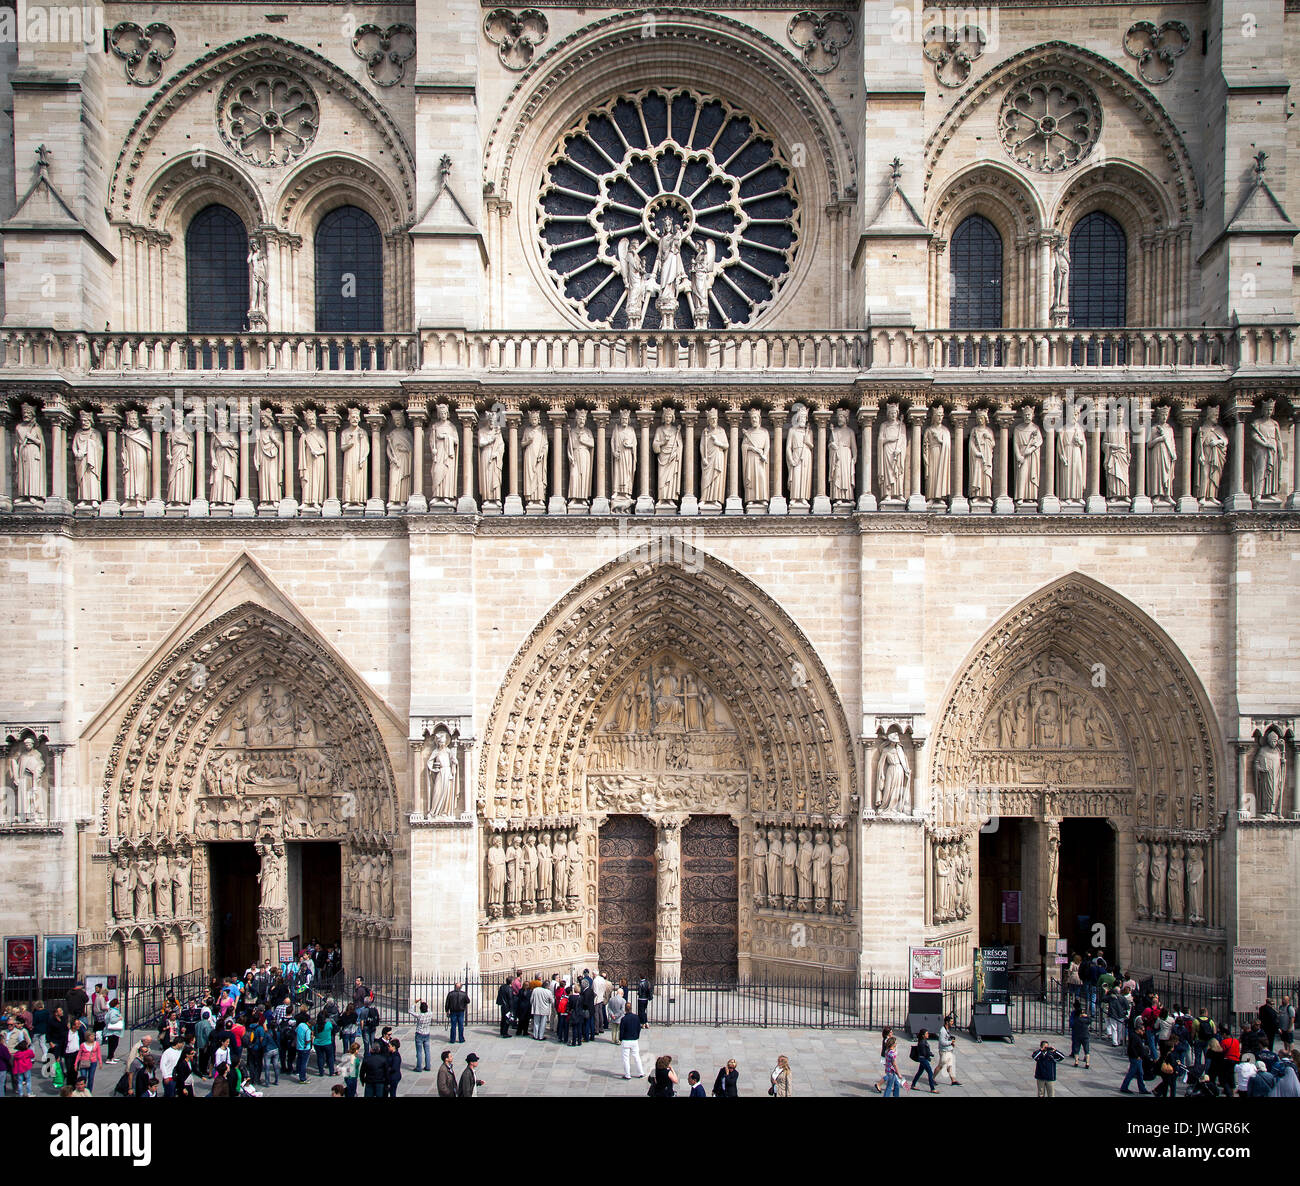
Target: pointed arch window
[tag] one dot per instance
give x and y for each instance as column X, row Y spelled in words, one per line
column 1099, row 279
column 975, row 287
column 349, row 279
column 216, row 281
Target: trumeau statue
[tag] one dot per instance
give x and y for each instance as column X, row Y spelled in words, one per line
column 1161, row 456
column 136, row 449
column 223, row 461
column 535, row 448
column 400, row 450
column 440, row 777
column 311, row 460
column 1211, row 455
column 799, row 455
column 29, row 456
column 88, row 460
column 981, row 456
column 667, row 446
column 268, row 454
column 713, row 460
column 1072, row 454
column 1027, row 444
column 1268, row 765
column 1118, row 455
column 755, row 452
column 936, row 453
column 892, row 447
column 894, row 777
column 581, row 450
column 491, row 454
column 1265, row 452
column 622, row 443
column 354, row 444
column 843, row 458
column 180, row 466
column 444, row 444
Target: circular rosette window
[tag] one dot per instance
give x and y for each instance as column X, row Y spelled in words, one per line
column 668, row 210
column 1048, row 124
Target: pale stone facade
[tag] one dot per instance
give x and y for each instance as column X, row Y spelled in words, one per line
column 661, row 487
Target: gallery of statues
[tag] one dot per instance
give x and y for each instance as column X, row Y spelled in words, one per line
column 708, row 492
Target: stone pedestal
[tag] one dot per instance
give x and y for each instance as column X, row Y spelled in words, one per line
column 444, row 895
column 891, row 909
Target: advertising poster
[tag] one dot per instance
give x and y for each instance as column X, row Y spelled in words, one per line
column 60, row 957
column 927, row 968
column 993, row 977
column 20, row 957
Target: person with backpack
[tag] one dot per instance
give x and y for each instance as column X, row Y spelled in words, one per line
column 644, row 995
column 1203, row 1030
column 920, row 1054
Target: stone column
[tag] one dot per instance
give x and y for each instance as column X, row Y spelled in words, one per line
column 916, row 418
column 600, row 503
column 155, row 508
column 1049, row 919
column 1238, row 499
column 273, row 908
column 1141, row 500
column 374, row 418
column 6, row 499
column 960, row 504
column 1048, row 503
column 110, row 508
column 1188, row 503
column 57, row 501
column 734, row 505
column 1003, row 504
column 556, row 504
column 645, row 503
column 199, row 505
column 417, row 414
column 866, row 457
column 690, row 504
column 1094, row 499
column 331, row 508
column 1293, row 500
column 243, row 426
column 514, row 504
column 777, row 504
column 287, row 421
column 821, row 504
column 468, row 417
column 668, row 896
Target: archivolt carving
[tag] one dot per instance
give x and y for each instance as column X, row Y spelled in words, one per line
column 364, row 186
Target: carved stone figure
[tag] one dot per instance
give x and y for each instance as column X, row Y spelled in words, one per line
column 273, row 877
column 894, row 776
column 760, row 867
column 311, row 460
column 713, row 460
column 1159, row 869
column 1161, row 455
column 491, row 453
column 88, row 460
column 29, row 456
column 637, row 284
column 143, row 890
column 136, row 449
column 1118, row 454
column 839, row 873
column 268, row 459
column 444, row 445
column 799, row 455
column 821, row 872
column 668, row 867
column 1175, row 881
column 535, row 448
column 1027, row 445
column 702, row 271
column 843, row 458
column 1053, row 875
column 27, row 773
column 561, row 854
column 622, row 443
column 1268, row 774
column 514, row 879
column 755, row 453
column 162, row 887
column 789, row 869
column 943, row 883
column 936, row 454
column 773, row 868
column 803, row 868
column 386, row 885
column 545, row 872
column 1072, row 454
column 180, row 466
column 223, row 461
column 892, row 447
column 400, row 450
column 670, row 275
column 1265, row 452
column 1195, row 884
column 581, row 450
column 496, row 873
column 440, row 778
column 1060, row 276
column 528, row 871
column 258, row 273
column 182, row 883
column 667, row 446
column 981, row 456
column 574, row 871
column 121, row 887
column 354, row 443
column 1211, row 455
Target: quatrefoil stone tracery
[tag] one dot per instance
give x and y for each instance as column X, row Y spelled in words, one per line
column 1049, row 124
column 267, row 118
column 143, row 50
column 384, row 51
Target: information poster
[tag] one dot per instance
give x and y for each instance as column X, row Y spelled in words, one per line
column 285, row 952
column 993, row 978
column 1249, row 978
column 20, row 957
column 95, row 982
column 927, row 968
column 153, row 955
column 1011, row 908
column 60, row 957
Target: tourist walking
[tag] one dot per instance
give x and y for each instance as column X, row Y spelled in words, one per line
column 423, row 1031
column 394, row 1066
column 885, row 1035
column 644, row 995
column 921, row 1056
column 469, row 1080
column 1045, row 1059
column 1285, row 1022
column 948, row 1049
column 1136, row 1050
column 350, row 1069
column 630, row 1041
column 323, row 1043
column 890, row 1063
column 374, row 1072
column 697, row 1088
column 782, row 1079
column 506, row 1004
column 446, row 1077
column 1116, row 1014
column 726, row 1083
column 22, row 1060
column 1080, row 1027
column 456, row 1005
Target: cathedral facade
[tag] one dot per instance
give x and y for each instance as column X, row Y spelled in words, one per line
column 714, row 491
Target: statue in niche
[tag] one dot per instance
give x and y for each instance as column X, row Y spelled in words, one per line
column 839, row 873
column 561, row 851
column 574, row 871
column 400, row 450
column 88, row 459
column 1060, row 277
column 121, row 886
column 223, row 461
column 1161, row 455
column 799, row 455
column 444, row 445
column 942, row 883
column 964, row 872
column 354, row 442
column 936, row 453
column 545, row 872
column 1211, row 455
column 702, row 271
column 137, row 446
column 981, row 456
column 1027, row 445
column 774, row 856
column 821, row 872
column 803, row 868
column 760, row 867
column 1159, row 868
column 528, row 871
column 1072, row 453
column 622, row 443
column 1268, row 774
column 789, row 869
column 182, row 883
column 894, row 777
column 29, row 457
column 180, row 466
column 638, row 284
column 259, row 271
column 670, row 277
column 514, row 886
column 491, row 454
column 668, row 865
column 1265, row 452
column 27, row 773
column 892, row 447
column 162, row 887
column 536, row 447
column 1195, row 884
column 582, row 448
column 268, row 454
column 386, row 885
column 713, row 460
column 1177, row 870
column 440, row 777
column 843, row 458
column 311, row 460
column 1117, row 449
column 143, row 890
column 496, row 871
column 755, row 452
column 1053, row 873
column 667, row 446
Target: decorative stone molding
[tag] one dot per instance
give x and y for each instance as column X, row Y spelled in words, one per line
column 952, row 50
column 516, row 35
column 385, row 51
column 819, row 36
column 267, row 117
column 1157, row 48
column 1049, row 122
column 143, row 50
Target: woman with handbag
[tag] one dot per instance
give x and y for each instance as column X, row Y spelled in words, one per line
column 782, row 1080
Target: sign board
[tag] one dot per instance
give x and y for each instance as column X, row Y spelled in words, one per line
column 1011, row 908
column 1062, row 948
column 20, row 957
column 1169, row 962
column 1249, row 978
column 284, row 951
column 153, row 955
column 926, row 968
column 993, row 977
column 60, row 957
column 108, row 983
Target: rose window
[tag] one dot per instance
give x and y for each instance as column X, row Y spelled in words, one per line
column 1047, row 125
column 668, row 209
column 268, row 119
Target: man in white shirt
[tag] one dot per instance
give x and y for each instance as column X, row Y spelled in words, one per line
column 541, row 999
column 167, row 1067
column 601, row 987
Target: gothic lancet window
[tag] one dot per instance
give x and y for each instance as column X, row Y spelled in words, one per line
column 216, row 283
column 1098, row 277
column 974, row 285
column 349, row 282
